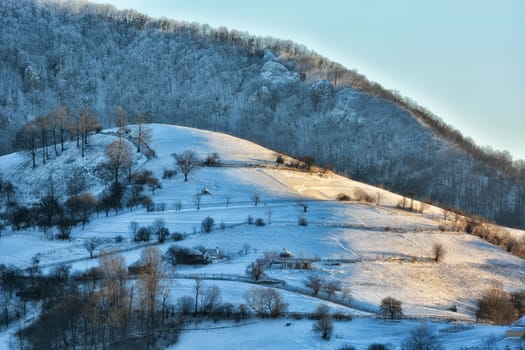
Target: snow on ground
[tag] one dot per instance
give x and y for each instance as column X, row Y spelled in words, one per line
column 360, row 332
column 390, row 249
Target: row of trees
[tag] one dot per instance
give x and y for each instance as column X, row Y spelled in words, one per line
column 53, row 130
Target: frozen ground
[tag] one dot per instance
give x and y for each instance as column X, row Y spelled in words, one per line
column 390, row 249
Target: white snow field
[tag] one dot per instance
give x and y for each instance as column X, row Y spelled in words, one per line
column 381, row 250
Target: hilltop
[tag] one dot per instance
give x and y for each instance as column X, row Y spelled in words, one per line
column 373, row 250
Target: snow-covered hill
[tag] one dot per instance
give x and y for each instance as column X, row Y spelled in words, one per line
column 379, row 250
column 277, row 93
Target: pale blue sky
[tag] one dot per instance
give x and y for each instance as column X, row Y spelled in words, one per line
column 462, row 59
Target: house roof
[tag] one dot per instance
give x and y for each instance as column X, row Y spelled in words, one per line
column 519, row 323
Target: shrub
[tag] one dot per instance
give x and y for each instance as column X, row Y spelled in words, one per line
column 496, row 306
column 279, row 159
column 363, row 196
column 315, row 284
column 265, row 302
column 391, row 308
column 342, row 197
column 302, row 221
column 119, row 239
column 347, row 347
column 324, row 324
column 438, row 252
column 377, row 346
column 177, row 236
column 421, row 337
column 168, row 174
column 212, row 160
column 185, row 305
column 249, row 220
column 259, row 222
column 143, row 234
column 207, row 224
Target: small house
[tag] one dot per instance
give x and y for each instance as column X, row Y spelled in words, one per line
column 517, row 329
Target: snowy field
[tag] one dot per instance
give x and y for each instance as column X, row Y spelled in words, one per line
column 390, row 250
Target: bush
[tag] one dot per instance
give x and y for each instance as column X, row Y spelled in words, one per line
column 265, row 302
column 496, row 306
column 377, row 346
column 177, row 236
column 391, row 308
column 347, row 347
column 421, row 337
column 302, row 221
column 438, row 252
column 249, row 220
column 143, row 234
column 119, row 239
column 342, row 197
column 168, row 174
column 324, row 324
column 212, row 160
column 207, row 225
column 279, row 159
column 185, row 305
column 259, row 222
column 363, row 196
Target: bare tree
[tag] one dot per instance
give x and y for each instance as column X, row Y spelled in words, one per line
column 186, row 162
column 256, row 269
column 438, row 252
column 119, row 157
column 266, row 302
column 87, row 123
column 142, row 132
column 255, row 199
column 496, row 306
column 197, row 287
column 421, row 338
column 197, row 198
column 391, row 308
column 113, row 298
column 90, row 245
column 324, row 324
column 315, row 283
column 150, row 283
column 269, row 213
column 210, row 300
column 26, row 139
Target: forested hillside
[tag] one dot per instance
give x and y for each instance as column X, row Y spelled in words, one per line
column 81, row 56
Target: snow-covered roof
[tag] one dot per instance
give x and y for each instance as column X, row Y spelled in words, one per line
column 519, row 323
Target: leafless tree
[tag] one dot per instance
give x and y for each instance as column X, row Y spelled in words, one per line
column 324, row 324
column 266, row 302
column 26, row 139
column 197, row 287
column 119, row 157
column 421, row 338
column 315, row 283
column 87, row 123
column 438, row 252
column 142, row 132
column 150, row 283
column 391, row 307
column 186, row 162
column 197, row 198
column 255, row 199
column 90, row 245
column 269, row 213
column 257, row 268
column 496, row 306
